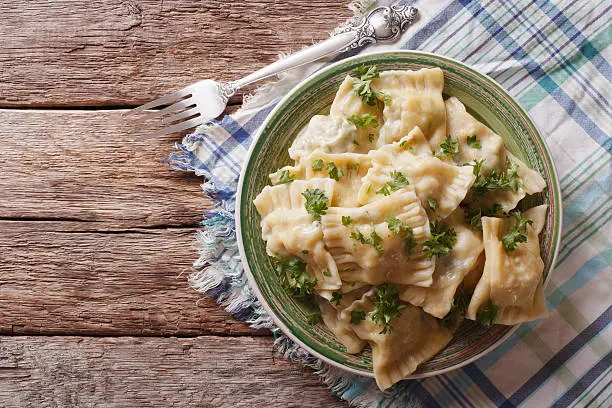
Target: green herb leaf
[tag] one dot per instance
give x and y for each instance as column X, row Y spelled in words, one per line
column 362, row 86
column 459, row 306
column 433, row 204
column 371, row 137
column 305, row 251
column 473, row 142
column 334, row 172
column 316, row 202
column 355, row 142
column 357, row 316
column 336, row 298
column 285, row 177
column 352, row 166
column 441, row 241
column 487, row 316
column 374, row 239
column 318, row 165
column 313, row 317
column 346, row 220
column 398, row 180
column 386, row 306
column 294, row 278
column 508, row 180
column 516, row 235
column 365, row 120
column 396, row 225
column 327, row 273
column 448, row 148
column 473, row 215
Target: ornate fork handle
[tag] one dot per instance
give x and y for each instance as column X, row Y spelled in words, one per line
column 381, row 24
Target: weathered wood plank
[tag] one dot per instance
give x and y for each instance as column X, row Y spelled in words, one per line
column 153, row 372
column 117, row 52
column 59, row 278
column 87, row 165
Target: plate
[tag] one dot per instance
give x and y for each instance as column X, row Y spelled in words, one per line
column 484, row 98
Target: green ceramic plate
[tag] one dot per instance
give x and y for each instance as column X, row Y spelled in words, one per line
column 483, row 97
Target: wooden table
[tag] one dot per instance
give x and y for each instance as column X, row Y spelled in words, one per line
column 97, row 233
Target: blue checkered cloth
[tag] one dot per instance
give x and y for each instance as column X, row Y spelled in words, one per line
column 554, row 58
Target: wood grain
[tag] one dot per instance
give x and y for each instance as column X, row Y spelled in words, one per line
column 60, row 278
column 87, row 166
column 118, row 52
column 154, row 372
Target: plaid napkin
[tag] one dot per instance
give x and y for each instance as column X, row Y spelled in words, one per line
column 554, row 58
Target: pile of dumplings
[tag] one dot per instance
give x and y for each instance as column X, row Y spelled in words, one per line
column 390, row 176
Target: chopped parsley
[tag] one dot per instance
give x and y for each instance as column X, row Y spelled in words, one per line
column 305, row 251
column 374, row 239
column 347, row 282
column 433, row 204
column 396, row 225
column 357, row 316
column 334, row 172
column 371, row 137
column 448, row 148
column 285, row 177
column 352, row 166
column 318, row 165
column 473, row 215
column 316, row 202
column 508, row 180
column 365, row 120
column 336, row 298
column 477, row 165
column 441, row 241
column 487, row 316
column 398, row 180
column 327, row 273
column 459, row 306
column 473, row 142
column 294, row 277
column 362, row 86
column 386, row 306
column 516, row 235
column 346, row 220
column 355, row 142
column 313, row 317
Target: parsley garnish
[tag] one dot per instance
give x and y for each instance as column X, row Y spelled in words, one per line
column 316, row 202
column 487, row 316
column 327, row 273
column 448, row 148
column 355, row 142
column 473, row 215
column 473, row 142
column 357, row 316
column 336, row 298
column 374, row 239
column 362, row 85
column 505, row 180
column 294, row 278
column 386, row 306
column 285, row 177
column 334, row 172
column 395, row 225
column 441, row 241
column 433, row 204
column 365, row 120
column 318, row 165
column 371, row 137
column 313, row 317
column 516, row 235
column 398, row 180
column 352, row 166
column 346, row 220
column 305, row 251
column 459, row 306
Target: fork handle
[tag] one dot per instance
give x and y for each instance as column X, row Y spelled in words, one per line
column 331, row 46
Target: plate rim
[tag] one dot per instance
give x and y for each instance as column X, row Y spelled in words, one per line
column 555, row 190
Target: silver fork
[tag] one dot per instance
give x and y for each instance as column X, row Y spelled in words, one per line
column 205, row 100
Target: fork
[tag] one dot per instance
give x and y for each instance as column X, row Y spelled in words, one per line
column 205, row 100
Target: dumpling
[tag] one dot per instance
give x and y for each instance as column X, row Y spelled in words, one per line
column 289, row 230
column 416, row 100
column 450, row 270
column 342, row 329
column 432, row 179
column 512, row 281
column 415, row 338
column 348, row 168
column 366, row 250
column 332, row 135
